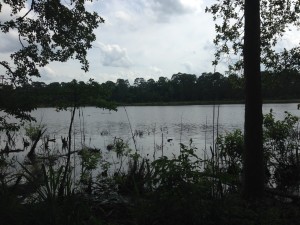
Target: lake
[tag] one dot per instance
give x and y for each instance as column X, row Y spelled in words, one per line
column 155, row 128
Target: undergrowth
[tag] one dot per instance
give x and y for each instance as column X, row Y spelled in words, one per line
column 183, row 189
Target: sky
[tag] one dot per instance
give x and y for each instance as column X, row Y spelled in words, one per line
column 140, row 38
column 152, row 38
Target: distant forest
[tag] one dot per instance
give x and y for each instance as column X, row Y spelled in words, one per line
column 181, row 87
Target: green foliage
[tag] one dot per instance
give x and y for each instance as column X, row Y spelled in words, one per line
column 32, row 130
column 282, row 151
column 14, row 103
column 179, row 191
column 184, row 88
column 183, row 189
column 48, row 31
column 178, row 171
column 47, row 184
column 279, row 131
column 276, row 18
column 229, row 167
column 231, row 147
column 133, row 173
column 135, row 181
column 56, row 33
column 120, row 148
column 90, row 159
column 48, row 206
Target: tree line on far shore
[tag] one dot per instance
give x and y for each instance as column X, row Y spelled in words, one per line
column 181, row 87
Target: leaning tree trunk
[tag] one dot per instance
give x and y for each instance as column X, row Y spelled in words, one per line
column 253, row 180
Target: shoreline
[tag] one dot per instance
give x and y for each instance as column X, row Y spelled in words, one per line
column 222, row 102
column 184, row 103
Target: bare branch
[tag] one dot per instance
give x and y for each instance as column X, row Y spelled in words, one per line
column 21, row 41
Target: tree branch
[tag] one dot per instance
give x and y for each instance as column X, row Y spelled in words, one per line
column 3, row 63
column 13, row 74
column 31, row 8
column 21, row 41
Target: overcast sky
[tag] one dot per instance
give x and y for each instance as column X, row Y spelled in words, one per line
column 141, row 38
column 152, row 38
column 149, row 39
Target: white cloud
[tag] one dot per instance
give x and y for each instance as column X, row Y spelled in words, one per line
column 89, row 4
column 9, row 42
column 193, row 4
column 166, row 9
column 6, row 12
column 290, row 39
column 48, row 71
column 141, row 38
column 123, row 16
column 188, row 67
column 156, row 70
column 114, row 56
column 48, row 74
column 170, row 7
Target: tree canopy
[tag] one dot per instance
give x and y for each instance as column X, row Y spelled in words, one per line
column 276, row 18
column 47, row 30
column 182, row 87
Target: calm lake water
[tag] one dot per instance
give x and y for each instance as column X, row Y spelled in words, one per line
column 155, row 127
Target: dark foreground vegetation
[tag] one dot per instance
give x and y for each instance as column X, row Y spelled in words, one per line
column 185, row 189
column 181, row 88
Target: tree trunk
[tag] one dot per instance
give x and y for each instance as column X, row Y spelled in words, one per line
column 253, row 180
